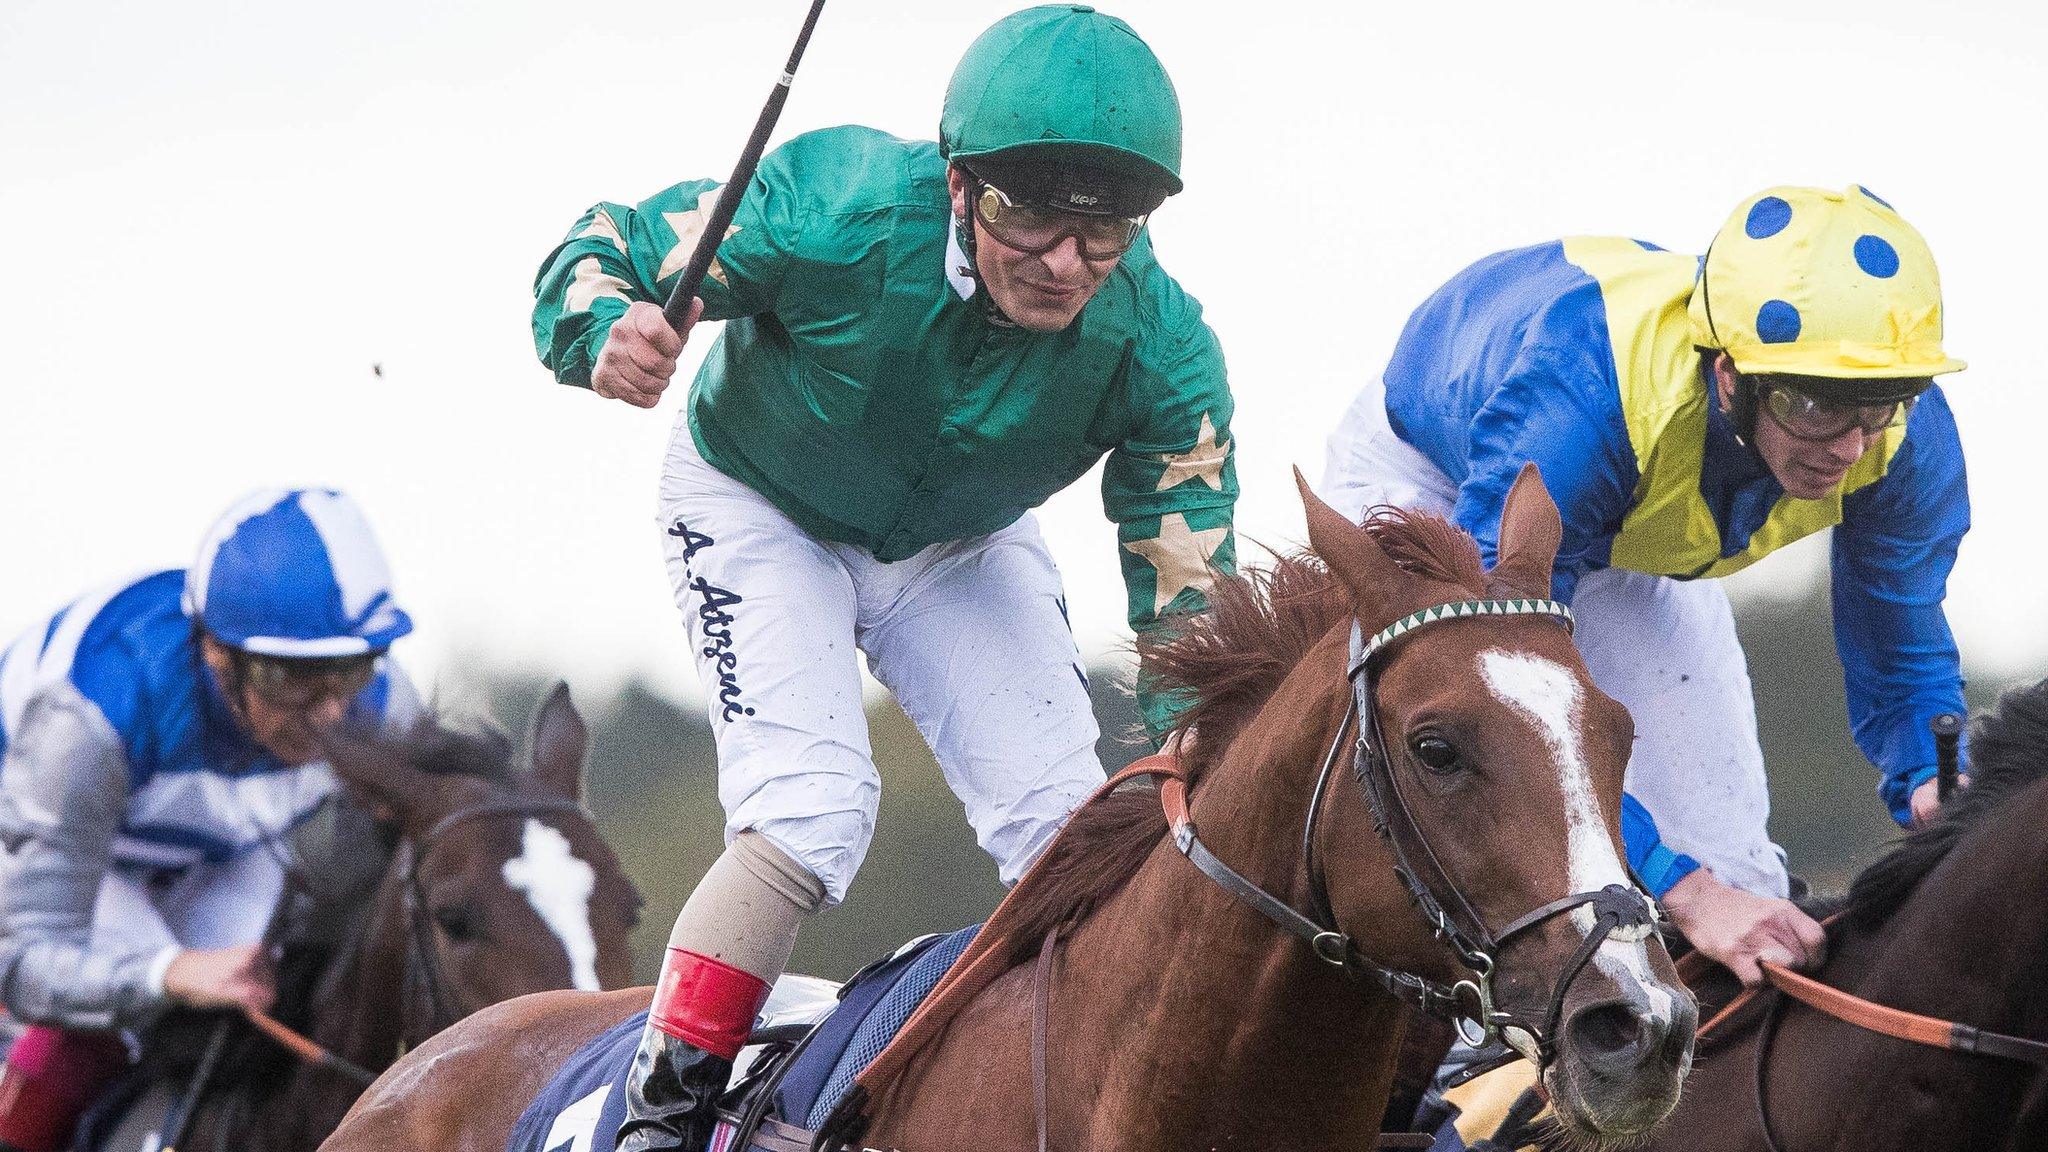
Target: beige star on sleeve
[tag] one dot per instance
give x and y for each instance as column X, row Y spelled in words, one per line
column 1180, row 555
column 602, row 225
column 1205, row 460
column 590, row 283
column 688, row 226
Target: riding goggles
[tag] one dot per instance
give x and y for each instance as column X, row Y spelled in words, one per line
column 300, row 683
column 1805, row 417
column 1035, row 231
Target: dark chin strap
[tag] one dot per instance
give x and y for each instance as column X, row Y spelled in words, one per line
column 963, row 232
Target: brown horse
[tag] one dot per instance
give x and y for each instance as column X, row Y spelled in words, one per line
column 1180, row 1017
column 1951, row 924
column 500, row 886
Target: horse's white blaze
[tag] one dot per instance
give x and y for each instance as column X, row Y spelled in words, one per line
column 558, row 885
column 1548, row 695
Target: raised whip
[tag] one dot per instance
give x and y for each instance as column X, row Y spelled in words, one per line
column 677, row 310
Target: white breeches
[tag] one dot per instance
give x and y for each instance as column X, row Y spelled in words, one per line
column 971, row 637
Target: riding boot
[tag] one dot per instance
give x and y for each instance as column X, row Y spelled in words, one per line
column 702, row 1015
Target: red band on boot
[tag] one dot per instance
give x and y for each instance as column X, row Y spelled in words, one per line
column 50, row 1077
column 706, row 1002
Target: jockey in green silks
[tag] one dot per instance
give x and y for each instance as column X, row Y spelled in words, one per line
column 924, row 342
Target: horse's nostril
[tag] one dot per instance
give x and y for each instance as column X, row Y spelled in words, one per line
column 1614, row 1033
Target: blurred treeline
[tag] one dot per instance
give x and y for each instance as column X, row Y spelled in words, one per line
column 652, row 783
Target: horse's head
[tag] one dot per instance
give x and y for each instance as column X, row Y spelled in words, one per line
column 1497, row 774
column 501, row 885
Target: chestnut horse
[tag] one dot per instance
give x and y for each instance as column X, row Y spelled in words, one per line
column 1951, row 924
column 1181, row 1017
column 500, row 886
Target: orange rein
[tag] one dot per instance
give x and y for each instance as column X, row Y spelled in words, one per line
column 1849, row 1008
column 305, row 1048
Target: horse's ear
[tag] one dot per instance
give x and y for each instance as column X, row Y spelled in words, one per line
column 1378, row 586
column 1529, row 534
column 557, row 745
column 391, row 789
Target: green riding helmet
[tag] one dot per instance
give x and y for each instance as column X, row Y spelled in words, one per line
column 1071, row 108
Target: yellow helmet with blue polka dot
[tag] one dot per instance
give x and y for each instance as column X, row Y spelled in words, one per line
column 1808, row 282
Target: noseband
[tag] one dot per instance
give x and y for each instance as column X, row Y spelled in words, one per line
column 424, row 975
column 1469, row 1003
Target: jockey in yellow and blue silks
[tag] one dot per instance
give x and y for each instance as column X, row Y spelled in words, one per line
column 1691, row 415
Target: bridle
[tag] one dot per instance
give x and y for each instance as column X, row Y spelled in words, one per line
column 425, row 977
column 1468, row 1003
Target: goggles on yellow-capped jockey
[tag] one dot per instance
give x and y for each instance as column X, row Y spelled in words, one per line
column 1035, row 230
column 1805, row 416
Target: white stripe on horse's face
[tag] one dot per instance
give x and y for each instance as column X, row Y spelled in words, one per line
column 1549, row 697
column 558, row 885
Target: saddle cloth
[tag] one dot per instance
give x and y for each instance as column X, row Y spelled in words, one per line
column 583, row 1106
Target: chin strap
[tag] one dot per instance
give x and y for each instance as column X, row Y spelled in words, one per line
column 963, row 239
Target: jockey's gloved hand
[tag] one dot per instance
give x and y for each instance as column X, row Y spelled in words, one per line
column 1741, row 930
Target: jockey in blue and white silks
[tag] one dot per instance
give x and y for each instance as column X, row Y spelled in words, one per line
column 1688, row 423
column 159, row 739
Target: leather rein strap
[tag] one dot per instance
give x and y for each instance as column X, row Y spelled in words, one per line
column 1902, row 1025
column 307, row 1049
column 1849, row 1008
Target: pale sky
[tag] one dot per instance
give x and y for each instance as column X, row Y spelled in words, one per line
column 224, row 214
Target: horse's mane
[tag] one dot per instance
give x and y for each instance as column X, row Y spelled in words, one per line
column 2008, row 752
column 450, row 744
column 1225, row 663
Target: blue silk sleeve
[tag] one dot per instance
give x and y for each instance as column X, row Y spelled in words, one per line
column 1562, row 411
column 1656, row 867
column 1891, row 560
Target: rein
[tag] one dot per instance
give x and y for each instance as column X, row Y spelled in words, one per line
column 1849, row 1008
column 1468, row 1003
column 1896, row 1023
column 306, row 1048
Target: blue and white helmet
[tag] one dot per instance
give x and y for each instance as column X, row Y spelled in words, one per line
column 295, row 573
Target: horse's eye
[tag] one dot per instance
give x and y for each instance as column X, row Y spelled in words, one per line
column 1435, row 752
column 457, row 921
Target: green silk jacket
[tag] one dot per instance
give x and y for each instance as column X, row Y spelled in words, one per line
column 862, row 389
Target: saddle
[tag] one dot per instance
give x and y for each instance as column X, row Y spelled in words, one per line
column 809, row 1043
